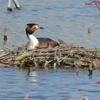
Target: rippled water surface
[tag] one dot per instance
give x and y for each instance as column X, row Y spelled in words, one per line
column 48, row 85
column 62, row 19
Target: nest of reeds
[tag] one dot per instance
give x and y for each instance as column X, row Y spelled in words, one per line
column 63, row 56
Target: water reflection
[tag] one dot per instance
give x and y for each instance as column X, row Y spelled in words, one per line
column 48, row 85
column 32, row 76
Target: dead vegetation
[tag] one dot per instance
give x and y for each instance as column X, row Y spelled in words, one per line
column 60, row 57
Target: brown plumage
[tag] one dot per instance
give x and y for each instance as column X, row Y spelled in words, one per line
column 47, row 43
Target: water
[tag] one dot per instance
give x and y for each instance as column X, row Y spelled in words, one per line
column 62, row 19
column 48, row 85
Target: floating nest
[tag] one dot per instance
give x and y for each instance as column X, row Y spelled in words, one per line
column 63, row 56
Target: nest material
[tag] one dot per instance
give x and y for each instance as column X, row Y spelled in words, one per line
column 67, row 56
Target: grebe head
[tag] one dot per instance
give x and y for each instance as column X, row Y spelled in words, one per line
column 32, row 27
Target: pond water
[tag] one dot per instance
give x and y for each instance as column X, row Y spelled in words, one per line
column 62, row 19
column 48, row 85
column 67, row 20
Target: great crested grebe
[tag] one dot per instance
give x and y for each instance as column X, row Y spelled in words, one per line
column 35, row 42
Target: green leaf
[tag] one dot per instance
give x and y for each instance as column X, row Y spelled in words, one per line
column 22, row 57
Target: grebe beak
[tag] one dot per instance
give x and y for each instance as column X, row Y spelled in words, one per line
column 41, row 27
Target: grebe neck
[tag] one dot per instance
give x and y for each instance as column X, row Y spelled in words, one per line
column 33, row 39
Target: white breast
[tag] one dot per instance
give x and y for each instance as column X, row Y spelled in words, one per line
column 33, row 42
